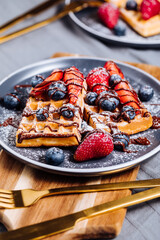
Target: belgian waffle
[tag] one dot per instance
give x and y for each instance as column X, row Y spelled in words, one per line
column 113, row 121
column 56, row 130
column 145, row 28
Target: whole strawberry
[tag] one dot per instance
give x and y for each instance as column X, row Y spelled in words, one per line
column 95, row 145
column 98, row 80
column 149, row 8
column 108, row 14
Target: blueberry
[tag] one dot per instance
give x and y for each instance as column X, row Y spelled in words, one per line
column 108, row 105
column 41, row 114
column 145, row 93
column 54, row 156
column 113, row 79
column 67, row 114
column 120, row 29
column 57, row 91
column 121, row 141
column 128, row 113
column 115, row 100
column 90, row 98
column 131, row 5
column 36, row 80
column 11, row 101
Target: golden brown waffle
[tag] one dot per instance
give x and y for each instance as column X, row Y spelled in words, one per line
column 120, row 89
column 145, row 28
column 99, row 119
column 55, row 130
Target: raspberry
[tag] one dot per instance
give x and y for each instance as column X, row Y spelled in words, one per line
column 95, row 145
column 108, row 14
column 149, row 8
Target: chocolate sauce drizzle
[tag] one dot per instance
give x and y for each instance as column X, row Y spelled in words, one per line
column 10, row 121
column 140, row 141
column 156, row 122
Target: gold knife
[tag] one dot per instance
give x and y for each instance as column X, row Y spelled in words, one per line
column 61, row 224
column 32, row 12
column 72, row 7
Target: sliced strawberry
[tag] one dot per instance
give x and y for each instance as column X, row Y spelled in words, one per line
column 39, row 92
column 112, row 68
column 95, row 145
column 98, row 80
column 124, row 90
column 74, row 79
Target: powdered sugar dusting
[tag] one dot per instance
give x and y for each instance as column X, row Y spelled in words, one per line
column 115, row 158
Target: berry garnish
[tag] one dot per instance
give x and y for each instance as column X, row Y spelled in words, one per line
column 112, row 68
column 39, row 91
column 90, row 98
column 120, row 29
column 54, row 156
column 36, row 80
column 67, row 110
column 41, row 114
column 131, row 5
column 108, row 105
column 108, row 14
column 67, row 114
column 57, row 91
column 114, row 79
column 145, row 93
column 128, row 113
column 95, row 145
column 126, row 94
column 115, row 100
column 121, row 141
column 74, row 80
column 149, row 8
column 97, row 80
column 12, row 101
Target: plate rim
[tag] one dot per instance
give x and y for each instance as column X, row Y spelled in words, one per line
column 137, row 43
column 78, row 171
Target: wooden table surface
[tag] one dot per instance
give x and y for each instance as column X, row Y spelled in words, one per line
column 141, row 222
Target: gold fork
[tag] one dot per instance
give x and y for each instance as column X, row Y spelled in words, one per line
column 58, row 225
column 27, row 197
column 72, row 7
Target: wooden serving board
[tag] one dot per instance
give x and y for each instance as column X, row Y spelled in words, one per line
column 15, row 175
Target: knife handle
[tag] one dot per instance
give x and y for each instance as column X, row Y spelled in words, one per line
column 59, row 225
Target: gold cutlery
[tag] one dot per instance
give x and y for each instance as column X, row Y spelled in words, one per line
column 27, row 197
column 72, row 7
column 31, row 13
column 61, row 224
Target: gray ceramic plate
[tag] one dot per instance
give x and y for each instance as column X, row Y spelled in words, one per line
column 88, row 21
column 116, row 161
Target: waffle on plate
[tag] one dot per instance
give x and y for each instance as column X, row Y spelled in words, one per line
column 146, row 28
column 52, row 120
column 122, row 93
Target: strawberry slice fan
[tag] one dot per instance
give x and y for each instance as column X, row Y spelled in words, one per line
column 39, row 92
column 73, row 79
column 126, row 93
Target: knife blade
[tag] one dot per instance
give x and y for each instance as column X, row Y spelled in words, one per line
column 61, row 224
